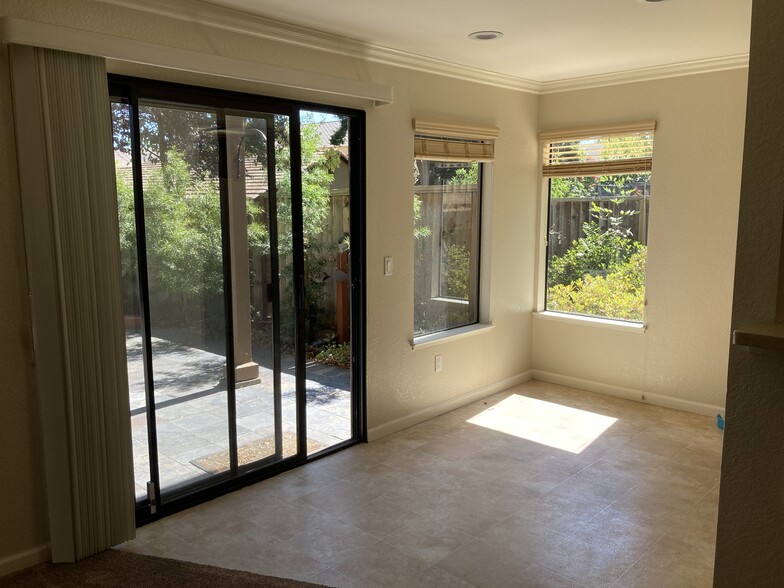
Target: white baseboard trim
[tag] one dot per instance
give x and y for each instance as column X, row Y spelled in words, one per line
column 629, row 393
column 25, row 559
column 446, row 406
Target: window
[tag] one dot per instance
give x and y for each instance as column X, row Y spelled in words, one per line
column 599, row 193
column 449, row 162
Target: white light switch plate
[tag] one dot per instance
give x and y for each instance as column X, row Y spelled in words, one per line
column 388, row 266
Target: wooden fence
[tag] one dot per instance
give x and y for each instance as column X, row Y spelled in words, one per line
column 568, row 215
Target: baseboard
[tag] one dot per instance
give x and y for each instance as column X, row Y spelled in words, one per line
column 446, row 406
column 25, row 559
column 629, row 393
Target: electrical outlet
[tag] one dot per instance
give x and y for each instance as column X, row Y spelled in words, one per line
column 438, row 363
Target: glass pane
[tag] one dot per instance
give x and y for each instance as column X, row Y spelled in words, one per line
column 446, row 245
column 186, row 298
column 597, row 245
column 260, row 195
column 327, row 234
column 121, row 127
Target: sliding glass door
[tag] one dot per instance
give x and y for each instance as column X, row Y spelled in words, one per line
column 235, row 230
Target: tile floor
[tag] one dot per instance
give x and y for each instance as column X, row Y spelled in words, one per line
column 625, row 501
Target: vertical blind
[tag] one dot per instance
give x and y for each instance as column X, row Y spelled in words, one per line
column 64, row 147
column 594, row 151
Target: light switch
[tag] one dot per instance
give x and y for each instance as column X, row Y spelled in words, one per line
column 388, row 266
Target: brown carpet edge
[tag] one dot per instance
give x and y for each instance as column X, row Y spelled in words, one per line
column 123, row 568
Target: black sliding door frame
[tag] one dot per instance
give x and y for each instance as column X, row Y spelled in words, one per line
column 130, row 91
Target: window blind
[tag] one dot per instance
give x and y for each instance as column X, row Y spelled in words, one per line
column 439, row 141
column 596, row 151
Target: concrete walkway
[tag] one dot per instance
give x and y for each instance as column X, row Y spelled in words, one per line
column 192, row 412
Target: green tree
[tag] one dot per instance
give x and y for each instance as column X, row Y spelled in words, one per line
column 183, row 224
column 597, row 250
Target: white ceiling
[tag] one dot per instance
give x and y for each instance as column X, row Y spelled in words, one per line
column 544, row 40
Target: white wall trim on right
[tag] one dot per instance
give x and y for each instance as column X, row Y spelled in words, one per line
column 440, row 408
column 25, row 559
column 629, row 393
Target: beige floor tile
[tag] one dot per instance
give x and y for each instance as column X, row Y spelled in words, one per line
column 427, row 539
column 330, row 577
column 589, row 564
column 561, row 515
column 435, row 577
column 611, row 528
column 246, row 547
column 473, row 515
column 461, row 505
column 537, row 478
column 380, row 518
column 338, row 497
column 381, row 565
column 481, row 564
column 610, row 475
column 517, row 535
column 538, row 577
column 680, row 575
column 330, row 543
column 285, row 520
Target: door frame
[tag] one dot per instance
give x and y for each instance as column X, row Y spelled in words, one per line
column 132, row 89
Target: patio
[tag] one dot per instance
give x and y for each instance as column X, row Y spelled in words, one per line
column 192, row 412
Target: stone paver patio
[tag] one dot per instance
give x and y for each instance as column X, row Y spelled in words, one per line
column 192, row 411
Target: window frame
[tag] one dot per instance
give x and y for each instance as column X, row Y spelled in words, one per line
column 483, row 321
column 581, row 133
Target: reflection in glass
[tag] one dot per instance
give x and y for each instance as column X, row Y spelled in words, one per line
column 327, row 235
column 446, row 245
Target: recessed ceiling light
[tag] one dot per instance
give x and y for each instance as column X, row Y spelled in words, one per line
column 485, row 35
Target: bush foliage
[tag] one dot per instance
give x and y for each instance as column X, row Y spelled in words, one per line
column 619, row 294
column 602, row 273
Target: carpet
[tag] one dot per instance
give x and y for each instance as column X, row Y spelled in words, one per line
column 253, row 451
column 122, row 568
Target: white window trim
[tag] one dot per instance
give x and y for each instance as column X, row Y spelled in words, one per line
column 483, row 324
column 591, row 321
column 540, row 280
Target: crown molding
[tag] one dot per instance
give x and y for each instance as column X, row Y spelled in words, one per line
column 211, row 15
column 646, row 74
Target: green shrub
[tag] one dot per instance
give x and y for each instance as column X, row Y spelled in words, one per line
column 335, row 354
column 457, row 271
column 619, row 295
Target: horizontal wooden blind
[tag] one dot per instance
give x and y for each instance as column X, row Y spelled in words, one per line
column 438, row 141
column 597, row 151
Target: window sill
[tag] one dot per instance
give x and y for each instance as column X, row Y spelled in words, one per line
column 442, row 336
column 601, row 323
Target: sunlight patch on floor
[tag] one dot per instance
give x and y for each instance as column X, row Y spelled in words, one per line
column 548, row 423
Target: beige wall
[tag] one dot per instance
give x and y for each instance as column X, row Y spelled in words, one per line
column 750, row 541
column 400, row 380
column 681, row 359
